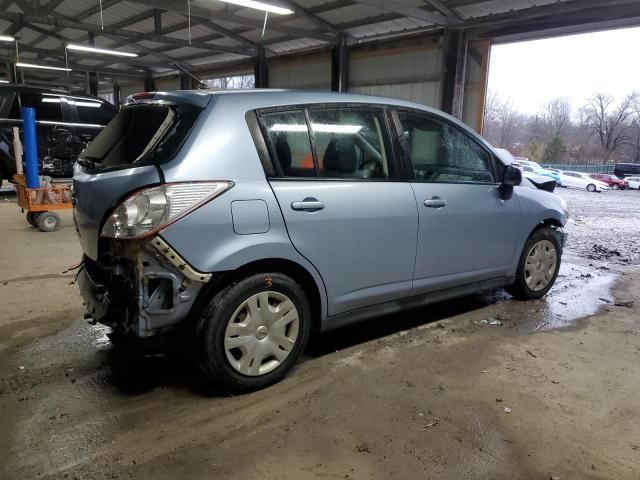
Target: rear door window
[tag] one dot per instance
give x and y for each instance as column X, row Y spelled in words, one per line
column 342, row 142
column 350, row 142
column 288, row 140
column 47, row 107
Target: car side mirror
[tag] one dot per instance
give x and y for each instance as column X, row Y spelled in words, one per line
column 512, row 177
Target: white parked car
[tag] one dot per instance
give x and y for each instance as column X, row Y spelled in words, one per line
column 582, row 181
column 634, row 182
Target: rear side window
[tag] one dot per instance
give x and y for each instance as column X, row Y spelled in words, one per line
column 47, row 107
column 442, row 153
column 288, row 140
column 139, row 134
column 92, row 112
column 350, row 142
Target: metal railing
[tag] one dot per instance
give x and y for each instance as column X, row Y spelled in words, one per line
column 583, row 168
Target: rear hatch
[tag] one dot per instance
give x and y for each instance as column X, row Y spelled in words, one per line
column 127, row 155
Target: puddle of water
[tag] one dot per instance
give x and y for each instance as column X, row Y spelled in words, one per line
column 579, row 292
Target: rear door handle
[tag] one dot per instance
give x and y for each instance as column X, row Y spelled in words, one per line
column 308, row 205
column 435, row 202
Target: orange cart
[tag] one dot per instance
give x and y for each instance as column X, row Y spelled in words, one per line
column 41, row 203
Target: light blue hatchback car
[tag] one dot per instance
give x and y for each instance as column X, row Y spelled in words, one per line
column 251, row 220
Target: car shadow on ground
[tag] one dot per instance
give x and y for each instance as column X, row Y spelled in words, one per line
column 133, row 372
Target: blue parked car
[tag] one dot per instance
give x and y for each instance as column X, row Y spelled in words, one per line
column 252, row 220
column 534, row 168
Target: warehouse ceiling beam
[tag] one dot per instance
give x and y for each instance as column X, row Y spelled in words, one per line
column 60, row 21
column 200, row 13
column 440, row 7
column 408, row 11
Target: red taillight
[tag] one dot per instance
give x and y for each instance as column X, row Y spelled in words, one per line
column 143, row 95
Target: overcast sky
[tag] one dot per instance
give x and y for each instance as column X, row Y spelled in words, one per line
column 575, row 67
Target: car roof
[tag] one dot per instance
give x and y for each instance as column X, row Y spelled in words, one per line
column 270, row 97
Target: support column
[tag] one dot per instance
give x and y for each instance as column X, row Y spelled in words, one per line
column 149, row 84
column 116, row 94
column 261, row 70
column 454, row 47
column 92, row 84
column 186, row 82
column 340, row 66
column 11, row 72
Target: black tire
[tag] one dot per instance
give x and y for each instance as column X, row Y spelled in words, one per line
column 32, row 218
column 591, row 187
column 212, row 324
column 48, row 222
column 615, row 186
column 519, row 289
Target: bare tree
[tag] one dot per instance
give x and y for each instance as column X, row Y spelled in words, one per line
column 508, row 121
column 555, row 116
column 608, row 123
column 233, row 82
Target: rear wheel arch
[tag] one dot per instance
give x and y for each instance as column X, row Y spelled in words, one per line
column 290, row 268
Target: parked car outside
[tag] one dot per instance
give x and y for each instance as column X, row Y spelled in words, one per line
column 250, row 220
column 582, row 181
column 65, row 124
column 622, row 170
column 634, row 182
column 534, row 169
column 611, row 180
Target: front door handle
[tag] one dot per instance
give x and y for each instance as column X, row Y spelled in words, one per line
column 435, row 202
column 308, row 205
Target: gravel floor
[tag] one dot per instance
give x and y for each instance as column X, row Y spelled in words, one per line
column 604, row 226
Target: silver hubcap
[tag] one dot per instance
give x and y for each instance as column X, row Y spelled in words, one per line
column 261, row 333
column 540, row 266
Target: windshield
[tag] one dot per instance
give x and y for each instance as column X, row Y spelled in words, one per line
column 141, row 134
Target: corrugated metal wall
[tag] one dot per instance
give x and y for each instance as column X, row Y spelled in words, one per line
column 311, row 72
column 411, row 73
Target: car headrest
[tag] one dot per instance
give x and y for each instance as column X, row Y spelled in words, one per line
column 283, row 151
column 340, row 155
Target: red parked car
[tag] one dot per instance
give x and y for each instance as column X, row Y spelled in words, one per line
column 611, row 180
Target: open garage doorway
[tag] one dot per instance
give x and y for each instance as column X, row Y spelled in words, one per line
column 571, row 101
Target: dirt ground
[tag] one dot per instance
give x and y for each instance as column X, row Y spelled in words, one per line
column 479, row 388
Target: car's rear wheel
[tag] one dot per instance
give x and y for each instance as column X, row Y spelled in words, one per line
column 615, row 186
column 538, row 266
column 591, row 187
column 253, row 332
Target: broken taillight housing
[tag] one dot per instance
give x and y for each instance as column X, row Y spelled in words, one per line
column 152, row 209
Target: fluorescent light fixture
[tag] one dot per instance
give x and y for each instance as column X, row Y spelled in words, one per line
column 43, row 67
column 317, row 127
column 4, row 81
column 69, row 124
column 6, row 38
column 72, row 102
column 104, row 51
column 265, row 7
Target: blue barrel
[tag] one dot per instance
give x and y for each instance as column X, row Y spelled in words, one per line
column 30, row 147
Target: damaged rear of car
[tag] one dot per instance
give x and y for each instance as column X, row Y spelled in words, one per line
column 137, row 287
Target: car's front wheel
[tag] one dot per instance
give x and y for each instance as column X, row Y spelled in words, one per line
column 538, row 266
column 253, row 332
column 615, row 186
column 591, row 187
